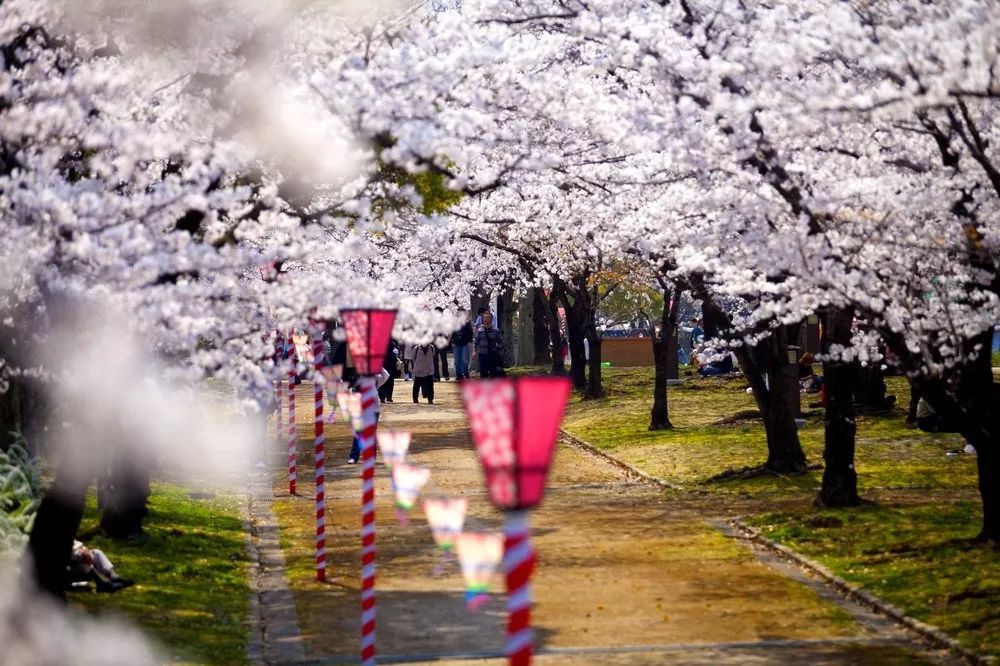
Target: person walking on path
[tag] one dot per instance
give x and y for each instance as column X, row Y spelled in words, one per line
column 380, row 379
column 489, row 347
column 441, row 364
column 423, row 372
column 697, row 333
column 461, row 344
column 407, row 362
column 391, row 365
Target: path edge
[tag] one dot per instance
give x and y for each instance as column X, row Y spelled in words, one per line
column 255, row 645
column 276, row 638
column 629, row 469
column 933, row 635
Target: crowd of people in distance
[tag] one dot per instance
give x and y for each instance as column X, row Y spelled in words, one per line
column 476, row 343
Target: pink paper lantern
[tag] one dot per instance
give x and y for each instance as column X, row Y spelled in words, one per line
column 350, row 404
column 407, row 482
column 368, row 333
column 514, row 424
column 445, row 518
column 479, row 554
column 393, row 444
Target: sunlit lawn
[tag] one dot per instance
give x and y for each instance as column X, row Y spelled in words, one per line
column 707, row 440
column 192, row 591
column 916, row 557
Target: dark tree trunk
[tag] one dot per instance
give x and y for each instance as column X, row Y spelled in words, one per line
column 777, row 398
column 595, row 388
column 480, row 300
column 505, row 322
column 659, row 416
column 540, row 331
column 779, row 404
column 525, row 352
column 10, row 414
column 555, row 332
column 587, row 299
column 911, row 411
column 58, row 520
column 574, row 331
column 713, row 320
column 975, row 407
column 123, row 494
column 870, row 389
column 784, row 451
column 840, row 479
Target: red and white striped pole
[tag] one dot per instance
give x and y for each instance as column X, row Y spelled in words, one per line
column 320, row 453
column 518, row 564
column 369, row 399
column 279, row 395
column 292, row 434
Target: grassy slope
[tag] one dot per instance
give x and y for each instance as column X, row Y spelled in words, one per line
column 890, row 454
column 192, row 591
column 915, row 555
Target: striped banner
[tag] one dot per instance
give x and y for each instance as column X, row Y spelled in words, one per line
column 292, row 434
column 518, row 564
column 320, row 453
column 279, row 394
column 369, row 400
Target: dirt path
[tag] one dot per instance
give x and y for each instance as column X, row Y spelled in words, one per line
column 626, row 574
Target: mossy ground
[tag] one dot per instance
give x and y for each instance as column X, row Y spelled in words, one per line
column 707, row 441
column 619, row 565
column 192, row 591
column 913, row 547
column 918, row 558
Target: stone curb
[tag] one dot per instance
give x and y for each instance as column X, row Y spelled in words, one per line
column 276, row 638
column 929, row 633
column 255, row 646
column 630, row 470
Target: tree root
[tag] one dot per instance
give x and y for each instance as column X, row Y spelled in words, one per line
column 755, row 472
column 739, row 417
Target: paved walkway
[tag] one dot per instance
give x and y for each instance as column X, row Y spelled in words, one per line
column 627, row 574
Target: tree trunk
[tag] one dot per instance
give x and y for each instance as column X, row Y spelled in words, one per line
column 58, row 519
column 784, row 451
column 974, row 406
column 870, row 389
column 911, row 411
column 540, row 331
column 840, row 479
column 659, row 415
column 574, row 331
column 10, row 414
column 124, row 494
column 555, row 332
column 713, row 320
column 525, row 328
column 779, row 403
column 505, row 322
column 595, row 388
column 587, row 298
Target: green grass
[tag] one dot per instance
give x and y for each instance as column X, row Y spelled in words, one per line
column 192, row 591
column 919, row 558
column 890, row 454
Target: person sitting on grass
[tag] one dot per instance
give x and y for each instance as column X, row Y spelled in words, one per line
column 91, row 564
column 930, row 421
column 714, row 363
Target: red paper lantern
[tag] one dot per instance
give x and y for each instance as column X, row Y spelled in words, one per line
column 368, row 333
column 515, row 423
